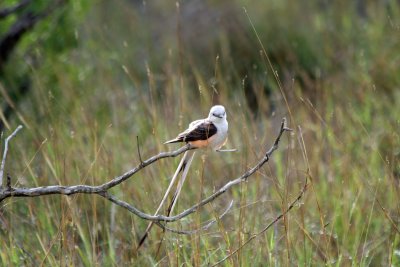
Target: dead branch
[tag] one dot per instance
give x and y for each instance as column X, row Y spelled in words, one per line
column 211, row 197
column 102, row 190
column 87, row 189
column 3, row 161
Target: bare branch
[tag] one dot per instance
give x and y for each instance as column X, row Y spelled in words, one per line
column 88, row 189
column 162, row 155
column 102, row 189
column 207, row 200
column 3, row 161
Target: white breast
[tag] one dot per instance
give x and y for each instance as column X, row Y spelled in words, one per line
column 219, row 139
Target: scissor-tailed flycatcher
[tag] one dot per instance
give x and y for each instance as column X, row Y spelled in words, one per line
column 210, row 132
column 206, row 133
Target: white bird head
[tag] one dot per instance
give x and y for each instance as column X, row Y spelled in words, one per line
column 217, row 113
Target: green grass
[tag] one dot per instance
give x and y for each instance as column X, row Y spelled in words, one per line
column 339, row 73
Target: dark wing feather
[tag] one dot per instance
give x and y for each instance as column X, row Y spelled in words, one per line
column 202, row 131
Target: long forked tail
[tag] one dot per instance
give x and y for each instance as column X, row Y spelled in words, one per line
column 176, row 140
column 174, row 200
column 181, row 181
column 181, row 165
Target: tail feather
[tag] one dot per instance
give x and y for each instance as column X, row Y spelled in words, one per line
column 178, row 170
column 176, row 140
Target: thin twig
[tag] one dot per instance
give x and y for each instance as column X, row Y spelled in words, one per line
column 138, row 149
column 202, row 228
column 3, row 161
column 8, row 184
column 280, row 216
column 387, row 215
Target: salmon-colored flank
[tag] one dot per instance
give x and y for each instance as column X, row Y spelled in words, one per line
column 199, row 143
column 202, row 143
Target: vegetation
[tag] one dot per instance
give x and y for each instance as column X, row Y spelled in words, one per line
column 101, row 73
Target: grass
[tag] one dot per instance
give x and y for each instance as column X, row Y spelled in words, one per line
column 339, row 73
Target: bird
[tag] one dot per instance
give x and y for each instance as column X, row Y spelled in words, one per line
column 210, row 132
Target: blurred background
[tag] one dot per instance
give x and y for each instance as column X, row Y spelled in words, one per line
column 85, row 78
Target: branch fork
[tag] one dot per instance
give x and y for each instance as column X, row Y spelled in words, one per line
column 102, row 190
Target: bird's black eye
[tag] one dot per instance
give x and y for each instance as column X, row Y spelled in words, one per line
column 217, row 115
